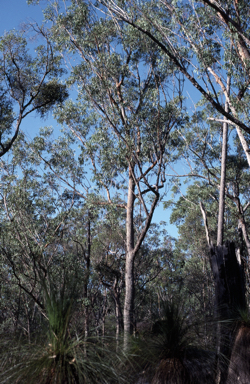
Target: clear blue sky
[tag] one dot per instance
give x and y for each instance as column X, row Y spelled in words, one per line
column 15, row 12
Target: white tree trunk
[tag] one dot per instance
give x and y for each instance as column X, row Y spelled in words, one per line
column 220, row 229
column 129, row 270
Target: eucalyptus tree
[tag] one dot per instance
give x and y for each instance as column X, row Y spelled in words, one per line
column 207, row 42
column 200, row 147
column 28, row 81
column 187, row 212
column 127, row 104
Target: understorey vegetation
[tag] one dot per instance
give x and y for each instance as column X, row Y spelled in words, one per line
column 94, row 287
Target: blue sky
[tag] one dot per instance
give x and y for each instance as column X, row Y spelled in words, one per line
column 13, row 14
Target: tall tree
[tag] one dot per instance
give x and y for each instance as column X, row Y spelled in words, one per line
column 123, row 117
column 220, row 230
column 206, row 41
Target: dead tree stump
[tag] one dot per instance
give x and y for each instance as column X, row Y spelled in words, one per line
column 228, row 273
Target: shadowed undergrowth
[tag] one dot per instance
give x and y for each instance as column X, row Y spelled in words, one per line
column 60, row 356
column 169, row 353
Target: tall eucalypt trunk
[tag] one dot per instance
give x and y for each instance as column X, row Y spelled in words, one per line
column 132, row 247
column 228, row 276
column 220, row 230
column 130, row 256
column 87, row 254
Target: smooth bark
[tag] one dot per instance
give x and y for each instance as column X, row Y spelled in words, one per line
column 132, row 248
column 220, row 229
column 130, row 255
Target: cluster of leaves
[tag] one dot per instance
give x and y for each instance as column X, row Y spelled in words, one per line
column 64, row 246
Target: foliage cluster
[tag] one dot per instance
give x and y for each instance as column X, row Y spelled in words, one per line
column 92, row 290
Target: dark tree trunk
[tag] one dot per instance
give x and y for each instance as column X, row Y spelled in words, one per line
column 229, row 282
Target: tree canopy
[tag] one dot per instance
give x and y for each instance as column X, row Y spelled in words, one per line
column 82, row 258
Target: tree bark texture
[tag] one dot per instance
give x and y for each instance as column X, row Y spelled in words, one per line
column 229, row 282
column 220, row 229
column 85, row 292
column 243, row 228
column 129, row 269
column 118, row 309
column 239, row 368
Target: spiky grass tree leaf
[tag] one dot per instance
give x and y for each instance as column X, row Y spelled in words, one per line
column 77, row 362
column 62, row 358
column 169, row 354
